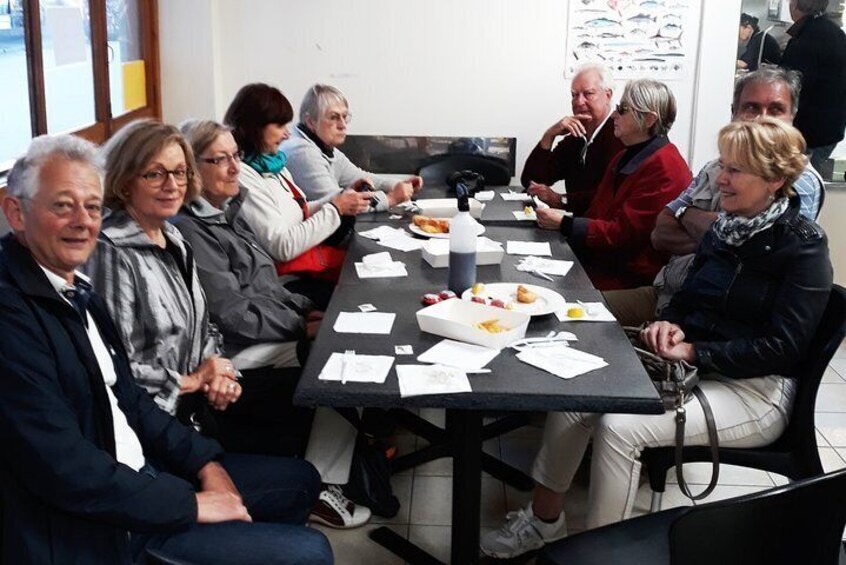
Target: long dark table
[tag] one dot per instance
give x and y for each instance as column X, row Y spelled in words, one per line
column 496, row 211
column 512, row 385
column 422, row 275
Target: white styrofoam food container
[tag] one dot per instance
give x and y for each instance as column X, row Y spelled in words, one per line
column 454, row 318
column 436, row 252
column 447, row 207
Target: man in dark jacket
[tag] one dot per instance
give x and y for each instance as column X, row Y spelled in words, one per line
column 587, row 146
column 817, row 49
column 88, row 456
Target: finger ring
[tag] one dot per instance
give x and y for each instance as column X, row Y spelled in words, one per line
column 231, row 386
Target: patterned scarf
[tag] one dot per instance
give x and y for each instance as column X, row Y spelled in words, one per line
column 736, row 230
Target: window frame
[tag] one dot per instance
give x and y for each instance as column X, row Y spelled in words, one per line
column 105, row 124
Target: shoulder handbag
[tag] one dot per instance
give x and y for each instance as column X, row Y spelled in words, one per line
column 370, row 475
column 678, row 382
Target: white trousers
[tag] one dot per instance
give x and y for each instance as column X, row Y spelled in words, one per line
column 330, row 446
column 748, row 413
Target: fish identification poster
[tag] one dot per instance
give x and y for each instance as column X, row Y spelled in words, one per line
column 634, row 38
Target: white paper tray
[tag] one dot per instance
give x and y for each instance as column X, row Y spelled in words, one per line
column 447, row 207
column 454, row 318
column 436, row 253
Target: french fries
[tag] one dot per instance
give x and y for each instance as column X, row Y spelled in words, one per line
column 491, row 326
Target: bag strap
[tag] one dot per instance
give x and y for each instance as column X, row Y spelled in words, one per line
column 713, row 440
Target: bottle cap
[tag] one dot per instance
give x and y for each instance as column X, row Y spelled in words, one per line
column 462, row 193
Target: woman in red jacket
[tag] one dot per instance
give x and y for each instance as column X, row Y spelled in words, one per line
column 612, row 239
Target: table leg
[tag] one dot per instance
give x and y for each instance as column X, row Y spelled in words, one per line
column 465, row 431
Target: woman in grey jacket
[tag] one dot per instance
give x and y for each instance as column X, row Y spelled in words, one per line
column 263, row 320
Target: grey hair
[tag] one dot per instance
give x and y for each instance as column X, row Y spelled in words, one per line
column 317, row 99
column 23, row 179
column 646, row 96
column 812, row 7
column 770, row 74
column 606, row 79
column 202, row 133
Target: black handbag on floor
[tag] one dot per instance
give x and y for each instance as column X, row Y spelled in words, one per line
column 678, row 382
column 370, row 476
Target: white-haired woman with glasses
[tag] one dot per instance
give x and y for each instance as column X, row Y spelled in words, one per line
column 145, row 271
column 612, row 238
column 320, row 168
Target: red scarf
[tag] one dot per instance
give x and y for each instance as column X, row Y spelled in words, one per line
column 321, row 261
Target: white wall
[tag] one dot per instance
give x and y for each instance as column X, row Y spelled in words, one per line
column 831, row 219
column 475, row 67
column 439, row 67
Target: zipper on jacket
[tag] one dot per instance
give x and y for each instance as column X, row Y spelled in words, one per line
column 731, row 284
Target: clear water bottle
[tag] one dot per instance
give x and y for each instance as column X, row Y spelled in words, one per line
column 463, row 233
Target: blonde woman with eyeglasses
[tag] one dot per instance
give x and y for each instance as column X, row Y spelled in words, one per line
column 145, row 272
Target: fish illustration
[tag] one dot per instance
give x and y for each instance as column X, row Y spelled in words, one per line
column 602, row 22
column 642, row 19
column 651, row 5
column 587, row 45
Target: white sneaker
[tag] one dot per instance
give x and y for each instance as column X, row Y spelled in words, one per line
column 521, row 533
column 335, row 510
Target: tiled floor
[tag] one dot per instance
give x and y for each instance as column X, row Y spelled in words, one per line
column 426, row 496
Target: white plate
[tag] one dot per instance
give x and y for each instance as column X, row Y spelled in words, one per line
column 548, row 300
column 414, row 229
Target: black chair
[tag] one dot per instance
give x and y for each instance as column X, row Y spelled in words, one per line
column 156, row 557
column 796, row 523
column 436, row 169
column 795, row 453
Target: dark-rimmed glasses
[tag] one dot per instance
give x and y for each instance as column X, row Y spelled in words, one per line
column 622, row 108
column 158, row 177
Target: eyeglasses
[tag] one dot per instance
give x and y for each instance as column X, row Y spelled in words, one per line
column 338, row 118
column 622, row 108
column 224, row 159
column 66, row 208
column 158, row 177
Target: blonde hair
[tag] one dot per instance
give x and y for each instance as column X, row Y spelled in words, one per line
column 766, row 147
column 128, row 152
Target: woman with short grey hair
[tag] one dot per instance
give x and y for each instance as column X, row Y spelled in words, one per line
column 320, row 168
column 647, row 97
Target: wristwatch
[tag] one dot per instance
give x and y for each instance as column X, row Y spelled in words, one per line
column 680, row 212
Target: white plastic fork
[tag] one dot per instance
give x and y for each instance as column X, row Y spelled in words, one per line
column 347, row 360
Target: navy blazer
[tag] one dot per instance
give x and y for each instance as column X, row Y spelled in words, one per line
column 65, row 498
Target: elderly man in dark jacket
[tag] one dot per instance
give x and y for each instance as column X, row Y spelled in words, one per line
column 88, row 456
